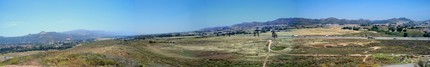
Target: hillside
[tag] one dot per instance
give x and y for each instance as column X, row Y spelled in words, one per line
column 90, row 33
column 331, row 46
column 50, row 37
column 300, row 22
column 239, row 50
column 42, row 37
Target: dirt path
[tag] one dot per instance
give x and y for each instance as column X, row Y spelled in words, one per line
column 269, row 44
column 373, row 49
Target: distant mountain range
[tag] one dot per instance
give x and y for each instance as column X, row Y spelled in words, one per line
column 49, row 37
column 297, row 22
column 90, row 33
column 287, row 23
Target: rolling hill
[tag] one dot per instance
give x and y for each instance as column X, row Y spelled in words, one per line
column 299, row 22
column 49, row 37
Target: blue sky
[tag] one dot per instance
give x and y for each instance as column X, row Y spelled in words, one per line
column 21, row 17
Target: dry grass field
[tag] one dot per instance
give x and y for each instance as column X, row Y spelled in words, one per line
column 323, row 31
column 238, row 50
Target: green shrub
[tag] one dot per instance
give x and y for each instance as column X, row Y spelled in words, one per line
column 278, row 47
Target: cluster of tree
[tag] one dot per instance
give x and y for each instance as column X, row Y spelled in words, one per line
column 229, row 33
column 426, row 34
column 391, row 30
column 280, row 24
column 32, row 47
column 352, row 28
column 397, row 29
column 150, row 36
column 255, row 32
column 302, row 23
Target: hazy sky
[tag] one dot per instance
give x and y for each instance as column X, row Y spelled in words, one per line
column 21, row 17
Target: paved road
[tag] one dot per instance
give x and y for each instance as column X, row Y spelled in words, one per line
column 401, row 65
column 350, row 37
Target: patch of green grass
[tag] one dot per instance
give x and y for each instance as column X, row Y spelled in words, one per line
column 99, row 60
column 403, row 46
column 16, row 60
column 228, row 63
column 415, row 33
column 22, row 59
column 278, row 47
column 188, row 53
column 385, row 58
column 310, row 61
column 82, row 59
column 138, row 53
column 369, row 33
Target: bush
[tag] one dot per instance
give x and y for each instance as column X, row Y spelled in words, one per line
column 278, row 47
column 426, row 35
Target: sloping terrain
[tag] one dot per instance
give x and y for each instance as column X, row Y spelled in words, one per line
column 188, row 51
column 49, row 37
column 241, row 50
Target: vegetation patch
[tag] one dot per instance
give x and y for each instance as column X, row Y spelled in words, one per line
column 385, row 58
column 311, row 61
column 333, row 42
column 83, row 59
column 238, row 50
column 278, row 48
column 323, row 31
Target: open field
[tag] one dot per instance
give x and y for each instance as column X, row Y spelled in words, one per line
column 359, row 46
column 323, row 31
column 330, row 31
column 226, row 51
column 17, row 54
column 238, row 50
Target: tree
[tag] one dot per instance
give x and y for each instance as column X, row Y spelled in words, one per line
column 405, row 34
column 344, row 27
column 229, row 34
column 356, row 28
column 392, row 29
column 427, row 34
column 274, row 35
column 399, row 29
column 217, row 33
column 257, row 32
column 374, row 28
